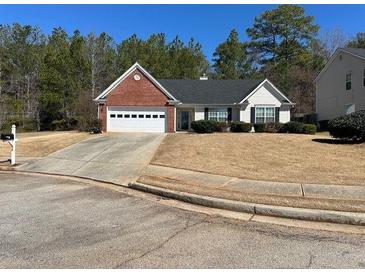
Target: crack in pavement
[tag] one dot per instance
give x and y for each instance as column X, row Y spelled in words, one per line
column 186, row 226
column 311, row 257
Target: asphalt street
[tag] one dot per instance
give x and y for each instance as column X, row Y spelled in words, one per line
column 50, row 222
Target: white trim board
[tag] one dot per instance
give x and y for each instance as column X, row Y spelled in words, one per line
column 126, row 74
column 259, row 86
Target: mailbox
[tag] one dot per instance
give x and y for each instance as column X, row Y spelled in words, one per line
column 7, row 137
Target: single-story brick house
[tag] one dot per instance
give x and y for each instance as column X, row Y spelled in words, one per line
column 138, row 102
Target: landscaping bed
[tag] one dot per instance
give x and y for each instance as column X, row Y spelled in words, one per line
column 263, row 156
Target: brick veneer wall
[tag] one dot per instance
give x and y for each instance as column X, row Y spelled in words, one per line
column 137, row 93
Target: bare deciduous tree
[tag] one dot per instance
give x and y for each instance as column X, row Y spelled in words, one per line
column 331, row 40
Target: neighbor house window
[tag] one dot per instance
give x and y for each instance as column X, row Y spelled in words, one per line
column 348, row 81
column 350, row 108
column 218, row 114
column 264, row 114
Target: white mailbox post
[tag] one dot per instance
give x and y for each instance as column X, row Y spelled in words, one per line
column 13, row 145
column 11, row 139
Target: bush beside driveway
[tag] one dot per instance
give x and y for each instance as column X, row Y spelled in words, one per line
column 272, row 157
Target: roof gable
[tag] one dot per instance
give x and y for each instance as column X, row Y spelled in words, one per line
column 274, row 89
column 214, row 92
column 359, row 53
column 133, row 68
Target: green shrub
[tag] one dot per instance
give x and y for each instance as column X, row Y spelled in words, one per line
column 309, row 129
column 5, row 126
column 310, row 118
column 64, row 124
column 29, row 125
column 260, row 127
column 94, row 126
column 323, row 125
column 274, row 127
column 204, row 126
column 349, row 127
column 293, row 127
column 59, row 124
column 240, row 127
column 222, row 126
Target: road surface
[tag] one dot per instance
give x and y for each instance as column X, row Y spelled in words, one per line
column 48, row 222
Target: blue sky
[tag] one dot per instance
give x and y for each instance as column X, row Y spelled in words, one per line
column 208, row 24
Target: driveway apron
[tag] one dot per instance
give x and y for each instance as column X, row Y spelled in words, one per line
column 118, row 158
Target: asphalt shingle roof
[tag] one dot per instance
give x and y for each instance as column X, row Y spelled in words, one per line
column 209, row 91
column 360, row 52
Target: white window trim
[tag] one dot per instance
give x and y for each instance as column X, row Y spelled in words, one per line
column 265, row 106
column 217, row 117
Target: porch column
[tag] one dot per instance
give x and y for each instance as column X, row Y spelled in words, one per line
column 171, row 119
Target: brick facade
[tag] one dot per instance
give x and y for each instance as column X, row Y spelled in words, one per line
column 171, row 118
column 102, row 116
column 137, row 93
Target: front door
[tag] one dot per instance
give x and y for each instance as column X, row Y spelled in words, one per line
column 184, row 120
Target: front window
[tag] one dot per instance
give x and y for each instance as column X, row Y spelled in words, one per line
column 348, row 81
column 218, row 114
column 264, row 115
column 350, row 108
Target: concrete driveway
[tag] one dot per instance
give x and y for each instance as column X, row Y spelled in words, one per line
column 117, row 158
column 57, row 223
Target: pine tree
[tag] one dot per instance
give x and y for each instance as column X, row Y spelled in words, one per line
column 230, row 60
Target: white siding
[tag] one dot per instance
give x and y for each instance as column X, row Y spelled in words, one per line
column 331, row 95
column 199, row 112
column 265, row 96
column 284, row 114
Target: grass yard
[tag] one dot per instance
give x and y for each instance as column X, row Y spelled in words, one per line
column 269, row 157
column 38, row 144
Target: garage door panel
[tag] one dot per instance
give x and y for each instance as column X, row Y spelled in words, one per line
column 136, row 120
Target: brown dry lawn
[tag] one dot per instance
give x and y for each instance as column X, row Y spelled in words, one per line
column 39, row 144
column 269, row 157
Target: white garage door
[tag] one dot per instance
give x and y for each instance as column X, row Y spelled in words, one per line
column 136, row 119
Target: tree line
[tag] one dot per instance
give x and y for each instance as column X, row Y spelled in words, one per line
column 48, row 81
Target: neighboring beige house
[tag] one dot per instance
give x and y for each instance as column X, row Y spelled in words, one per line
column 340, row 86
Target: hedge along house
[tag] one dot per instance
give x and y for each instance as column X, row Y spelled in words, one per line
column 137, row 102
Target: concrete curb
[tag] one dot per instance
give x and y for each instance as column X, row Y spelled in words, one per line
column 64, row 176
column 317, row 215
